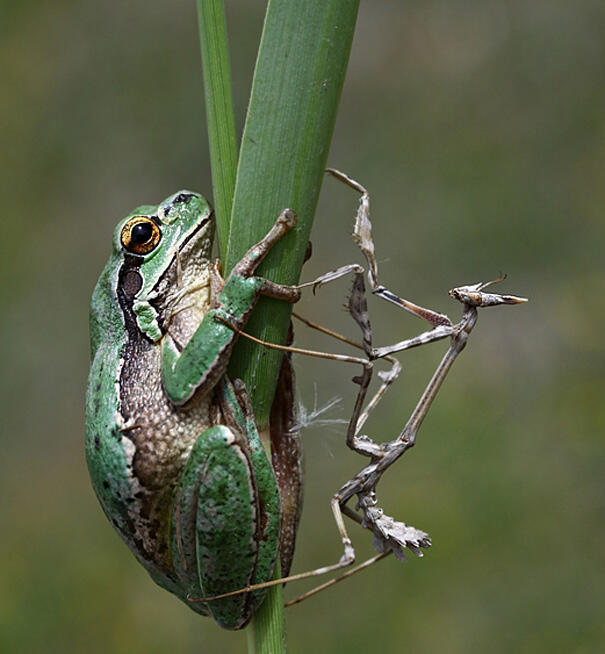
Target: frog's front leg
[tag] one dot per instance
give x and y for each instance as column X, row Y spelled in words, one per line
column 204, row 359
column 226, row 515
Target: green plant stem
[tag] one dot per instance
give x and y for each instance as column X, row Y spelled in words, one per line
column 220, row 118
column 268, row 624
column 296, row 88
column 297, row 83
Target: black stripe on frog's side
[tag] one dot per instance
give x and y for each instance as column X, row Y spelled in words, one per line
column 129, row 284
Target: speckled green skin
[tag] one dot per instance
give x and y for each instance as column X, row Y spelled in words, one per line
column 172, row 448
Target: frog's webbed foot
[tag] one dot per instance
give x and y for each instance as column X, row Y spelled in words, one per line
column 246, row 266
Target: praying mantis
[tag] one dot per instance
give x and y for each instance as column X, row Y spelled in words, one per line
column 389, row 535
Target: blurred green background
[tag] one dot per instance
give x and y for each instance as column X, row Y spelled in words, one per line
column 479, row 129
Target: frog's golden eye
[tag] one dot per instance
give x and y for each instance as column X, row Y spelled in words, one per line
column 140, row 235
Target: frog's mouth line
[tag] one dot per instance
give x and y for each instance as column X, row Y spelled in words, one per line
column 203, row 224
column 186, row 251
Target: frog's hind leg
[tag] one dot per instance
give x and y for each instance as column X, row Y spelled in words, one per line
column 214, row 527
column 237, row 412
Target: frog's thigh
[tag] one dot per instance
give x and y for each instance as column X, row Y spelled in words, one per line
column 214, row 523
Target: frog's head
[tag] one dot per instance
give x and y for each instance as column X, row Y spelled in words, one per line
column 164, row 249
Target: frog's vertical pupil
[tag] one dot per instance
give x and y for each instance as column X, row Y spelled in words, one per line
column 141, row 233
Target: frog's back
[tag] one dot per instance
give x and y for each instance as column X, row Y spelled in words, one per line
column 104, row 452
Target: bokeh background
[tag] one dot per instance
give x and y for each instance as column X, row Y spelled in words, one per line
column 479, row 129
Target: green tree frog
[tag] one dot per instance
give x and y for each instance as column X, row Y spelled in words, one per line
column 171, row 444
